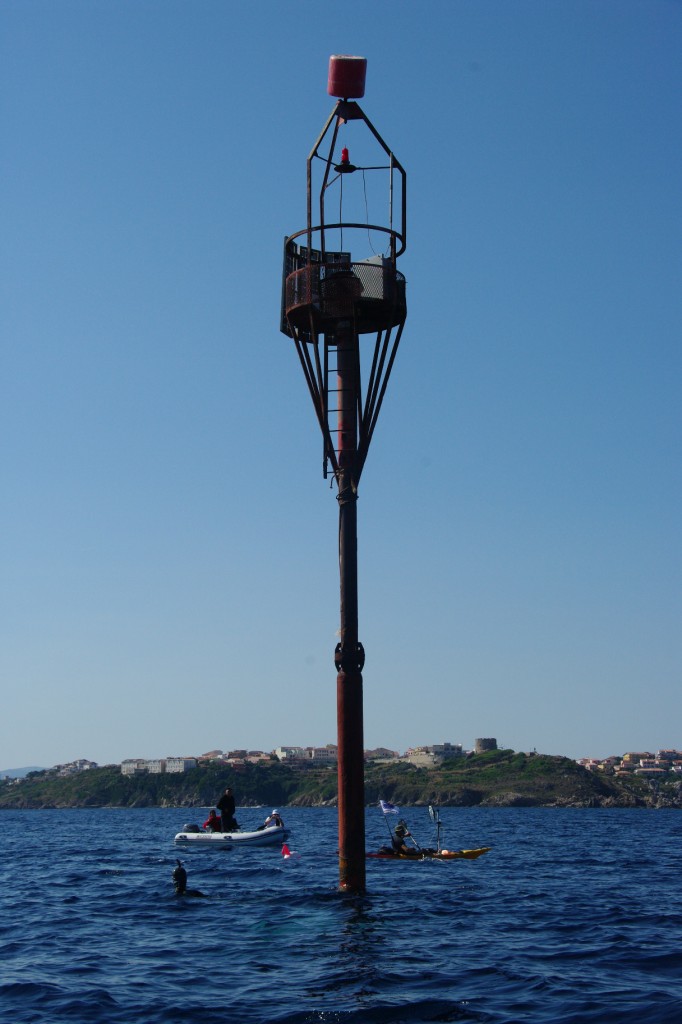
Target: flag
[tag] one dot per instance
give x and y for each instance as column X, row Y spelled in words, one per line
column 388, row 808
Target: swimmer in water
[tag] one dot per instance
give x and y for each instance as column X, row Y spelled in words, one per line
column 180, row 882
column 180, row 879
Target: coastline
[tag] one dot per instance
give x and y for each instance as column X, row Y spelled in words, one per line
column 496, row 779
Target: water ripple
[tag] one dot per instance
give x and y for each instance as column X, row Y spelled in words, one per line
column 543, row 930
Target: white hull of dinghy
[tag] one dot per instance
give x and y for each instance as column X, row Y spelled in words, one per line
column 271, row 836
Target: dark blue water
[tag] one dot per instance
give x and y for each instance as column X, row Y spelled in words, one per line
column 574, row 916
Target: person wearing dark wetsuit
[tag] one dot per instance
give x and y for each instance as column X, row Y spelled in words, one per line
column 180, row 882
column 180, row 879
column 226, row 806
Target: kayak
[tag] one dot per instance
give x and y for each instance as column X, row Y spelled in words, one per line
column 385, row 853
column 192, row 835
column 399, row 851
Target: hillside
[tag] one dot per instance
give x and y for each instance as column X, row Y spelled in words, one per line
column 503, row 778
column 500, row 778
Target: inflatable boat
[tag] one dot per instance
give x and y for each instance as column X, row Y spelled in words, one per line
column 192, row 835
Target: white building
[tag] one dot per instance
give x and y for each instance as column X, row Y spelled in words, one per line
column 427, row 757
column 323, row 755
column 447, row 750
column 421, row 757
column 73, row 767
column 180, row 764
column 290, row 753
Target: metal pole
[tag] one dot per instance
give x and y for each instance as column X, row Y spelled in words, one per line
column 349, row 657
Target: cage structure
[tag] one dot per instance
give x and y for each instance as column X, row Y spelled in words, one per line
column 331, row 298
column 341, row 287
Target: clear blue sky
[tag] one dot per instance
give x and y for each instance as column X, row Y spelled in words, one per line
column 169, row 576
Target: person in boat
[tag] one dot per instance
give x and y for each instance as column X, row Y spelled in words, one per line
column 226, row 806
column 213, row 823
column 274, row 819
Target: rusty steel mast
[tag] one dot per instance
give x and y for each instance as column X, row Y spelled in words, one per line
column 331, row 301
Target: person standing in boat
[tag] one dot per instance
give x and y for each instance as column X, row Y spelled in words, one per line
column 274, row 819
column 226, row 806
column 213, row 823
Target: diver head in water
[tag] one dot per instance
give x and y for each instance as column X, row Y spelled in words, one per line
column 180, row 883
column 180, row 879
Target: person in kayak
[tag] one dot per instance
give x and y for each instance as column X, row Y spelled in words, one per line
column 273, row 819
column 398, row 839
column 213, row 823
column 226, row 806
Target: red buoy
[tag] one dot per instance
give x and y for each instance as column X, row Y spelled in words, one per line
column 347, row 76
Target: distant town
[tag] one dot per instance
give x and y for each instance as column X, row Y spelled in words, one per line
column 663, row 763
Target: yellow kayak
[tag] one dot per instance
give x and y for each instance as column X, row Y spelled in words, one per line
column 386, row 853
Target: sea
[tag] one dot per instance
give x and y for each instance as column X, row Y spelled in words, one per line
column 574, row 916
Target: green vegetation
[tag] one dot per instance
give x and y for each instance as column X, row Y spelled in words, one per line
column 508, row 779
column 107, row 787
column 501, row 778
